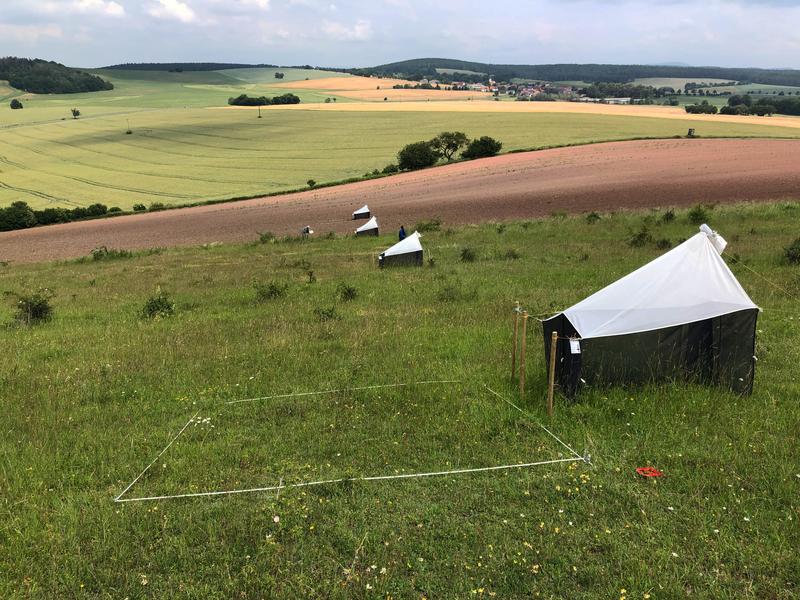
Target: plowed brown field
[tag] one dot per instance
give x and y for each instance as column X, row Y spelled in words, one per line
column 601, row 177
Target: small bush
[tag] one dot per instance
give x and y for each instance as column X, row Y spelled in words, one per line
column 510, row 254
column 16, row 104
column 468, row 255
column 393, row 168
column 115, row 209
column 698, row 215
column 482, row 147
column 104, row 253
column 668, row 216
column 430, row 225
column 311, row 183
column 592, row 218
column 454, row 293
column 417, row 156
column 34, row 308
column 159, row 305
column 139, row 208
column 346, row 292
column 664, row 244
column 266, row 237
column 269, row 291
column 640, row 239
column 792, row 253
column 155, row 206
column 326, row 314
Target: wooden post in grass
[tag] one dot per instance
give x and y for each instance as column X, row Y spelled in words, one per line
column 523, row 345
column 516, row 343
column 551, row 379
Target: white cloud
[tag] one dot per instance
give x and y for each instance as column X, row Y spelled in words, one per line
column 360, row 31
column 29, row 33
column 105, row 7
column 173, row 9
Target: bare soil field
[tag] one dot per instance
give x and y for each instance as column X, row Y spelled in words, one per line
column 599, row 177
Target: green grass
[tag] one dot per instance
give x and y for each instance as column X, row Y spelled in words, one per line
column 179, row 156
column 89, row 398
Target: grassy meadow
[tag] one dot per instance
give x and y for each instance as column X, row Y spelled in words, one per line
column 180, row 151
column 92, row 396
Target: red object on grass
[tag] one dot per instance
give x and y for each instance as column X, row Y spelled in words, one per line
column 648, row 472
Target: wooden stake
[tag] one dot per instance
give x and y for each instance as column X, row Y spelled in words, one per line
column 551, row 380
column 523, row 345
column 515, row 344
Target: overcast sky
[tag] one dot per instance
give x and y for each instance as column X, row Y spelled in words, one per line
column 90, row 33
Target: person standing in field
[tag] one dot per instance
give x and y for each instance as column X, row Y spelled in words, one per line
column 402, row 233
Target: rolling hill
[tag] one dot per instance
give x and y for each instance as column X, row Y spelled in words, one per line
column 427, row 67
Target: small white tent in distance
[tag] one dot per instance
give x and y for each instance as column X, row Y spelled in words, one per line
column 368, row 228
column 683, row 316
column 407, row 252
column 361, row 213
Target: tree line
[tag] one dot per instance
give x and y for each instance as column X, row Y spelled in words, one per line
column 19, row 215
column 245, row 100
column 184, row 66
column 45, row 77
column 426, row 67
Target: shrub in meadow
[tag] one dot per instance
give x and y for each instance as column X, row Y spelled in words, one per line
column 34, row 308
column 158, row 305
column 269, row 291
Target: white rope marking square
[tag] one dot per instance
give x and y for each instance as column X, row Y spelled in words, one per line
column 575, row 457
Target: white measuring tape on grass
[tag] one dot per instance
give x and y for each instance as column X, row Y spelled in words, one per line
column 282, row 486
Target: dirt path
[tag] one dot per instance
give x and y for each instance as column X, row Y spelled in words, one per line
column 600, row 177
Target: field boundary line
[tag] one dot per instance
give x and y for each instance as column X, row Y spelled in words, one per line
column 160, row 454
column 535, row 420
column 352, row 389
column 343, row 480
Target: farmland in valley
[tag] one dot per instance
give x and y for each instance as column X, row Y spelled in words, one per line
column 181, row 151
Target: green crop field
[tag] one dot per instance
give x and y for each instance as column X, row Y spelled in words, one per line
column 677, row 83
column 92, row 396
column 181, row 151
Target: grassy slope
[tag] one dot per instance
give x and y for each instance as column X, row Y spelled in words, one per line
column 91, row 397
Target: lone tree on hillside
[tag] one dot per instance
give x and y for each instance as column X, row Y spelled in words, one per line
column 16, row 104
column 75, row 113
column 447, row 143
column 482, row 147
column 278, row 75
column 417, row 156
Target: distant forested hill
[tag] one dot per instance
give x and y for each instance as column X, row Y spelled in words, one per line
column 426, row 67
column 43, row 77
column 200, row 66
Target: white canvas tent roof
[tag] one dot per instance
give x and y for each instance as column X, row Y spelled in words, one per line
column 371, row 224
column 361, row 211
column 408, row 245
column 689, row 283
